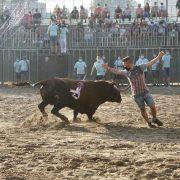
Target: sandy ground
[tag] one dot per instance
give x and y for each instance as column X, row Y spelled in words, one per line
column 119, row 146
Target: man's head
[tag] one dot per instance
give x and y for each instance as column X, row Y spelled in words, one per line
column 80, row 58
column 167, row 52
column 142, row 56
column 139, row 5
column 128, row 63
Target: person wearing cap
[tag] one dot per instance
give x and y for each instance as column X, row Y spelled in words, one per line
column 140, row 92
column 100, row 70
column 80, row 68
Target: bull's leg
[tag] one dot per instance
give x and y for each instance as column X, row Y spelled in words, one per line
column 42, row 106
column 90, row 115
column 55, row 111
column 75, row 115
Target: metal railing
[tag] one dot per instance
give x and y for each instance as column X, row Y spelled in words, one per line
column 11, row 25
column 43, row 65
column 84, row 37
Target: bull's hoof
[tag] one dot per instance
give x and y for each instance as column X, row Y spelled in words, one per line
column 94, row 119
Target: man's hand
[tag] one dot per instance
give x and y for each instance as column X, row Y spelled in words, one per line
column 161, row 54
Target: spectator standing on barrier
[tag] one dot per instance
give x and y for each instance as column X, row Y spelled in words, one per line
column 139, row 89
column 24, row 67
column 17, row 70
column 80, row 68
column 126, row 13
column 53, row 35
column 100, row 71
column 139, row 12
column 142, row 60
column 147, row 10
column 178, row 8
column 63, row 38
column 166, row 60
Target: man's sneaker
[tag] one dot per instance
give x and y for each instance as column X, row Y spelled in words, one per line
column 157, row 121
column 151, row 125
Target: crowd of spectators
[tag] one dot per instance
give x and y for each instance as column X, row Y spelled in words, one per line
column 32, row 19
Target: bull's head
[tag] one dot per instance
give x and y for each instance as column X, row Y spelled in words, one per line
column 114, row 93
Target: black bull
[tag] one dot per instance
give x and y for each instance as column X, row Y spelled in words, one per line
column 57, row 92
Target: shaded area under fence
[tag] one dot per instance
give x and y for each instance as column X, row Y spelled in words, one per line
column 43, row 65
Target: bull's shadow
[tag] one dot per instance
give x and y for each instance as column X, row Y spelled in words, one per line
column 131, row 133
column 142, row 134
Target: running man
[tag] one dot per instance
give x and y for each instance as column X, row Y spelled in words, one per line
column 140, row 92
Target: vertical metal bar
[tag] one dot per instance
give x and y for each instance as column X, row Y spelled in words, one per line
column 37, row 61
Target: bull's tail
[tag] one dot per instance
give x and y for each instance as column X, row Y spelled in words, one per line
column 29, row 84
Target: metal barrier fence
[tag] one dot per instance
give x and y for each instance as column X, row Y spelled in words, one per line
column 84, row 37
column 43, row 65
column 124, row 36
column 111, row 54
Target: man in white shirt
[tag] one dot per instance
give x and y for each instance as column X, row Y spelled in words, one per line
column 53, row 34
column 142, row 60
column 166, row 60
column 118, row 64
column 17, row 70
column 63, row 38
column 100, row 70
column 24, row 68
column 80, row 68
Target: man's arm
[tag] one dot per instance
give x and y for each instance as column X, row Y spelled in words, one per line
column 112, row 70
column 150, row 63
